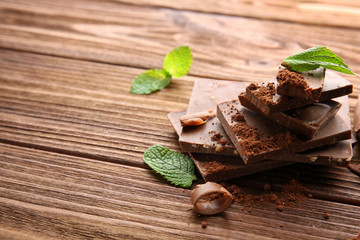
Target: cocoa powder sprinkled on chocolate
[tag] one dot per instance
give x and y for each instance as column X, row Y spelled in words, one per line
column 252, row 142
column 265, row 93
column 238, row 117
column 219, row 139
column 216, row 137
column 291, row 79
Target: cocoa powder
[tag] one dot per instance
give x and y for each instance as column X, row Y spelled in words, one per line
column 253, row 143
column 293, row 193
column 265, row 93
column 289, row 79
column 219, row 139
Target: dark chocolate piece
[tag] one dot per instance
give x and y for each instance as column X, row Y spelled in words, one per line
column 357, row 119
column 265, row 98
column 257, row 138
column 209, row 137
column 214, row 167
column 355, row 168
column 306, row 85
column 305, row 121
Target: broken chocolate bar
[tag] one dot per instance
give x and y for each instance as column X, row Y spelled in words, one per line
column 209, row 137
column 257, row 138
column 265, row 98
column 357, row 119
column 214, row 167
column 304, row 121
column 307, row 85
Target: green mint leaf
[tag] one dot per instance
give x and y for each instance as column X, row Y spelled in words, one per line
column 178, row 61
column 302, row 66
column 150, row 81
column 173, row 166
column 313, row 58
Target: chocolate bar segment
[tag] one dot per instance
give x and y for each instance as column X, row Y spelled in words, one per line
column 306, row 85
column 214, row 167
column 257, row 138
column 266, row 99
column 357, row 119
column 209, row 137
column 304, row 121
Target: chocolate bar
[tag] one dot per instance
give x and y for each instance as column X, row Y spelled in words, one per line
column 209, row 137
column 257, row 138
column 357, row 119
column 307, row 85
column 305, row 121
column 214, row 167
column 265, row 98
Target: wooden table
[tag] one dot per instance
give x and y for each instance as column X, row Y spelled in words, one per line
column 72, row 137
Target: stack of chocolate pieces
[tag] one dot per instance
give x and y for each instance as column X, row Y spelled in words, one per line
column 296, row 117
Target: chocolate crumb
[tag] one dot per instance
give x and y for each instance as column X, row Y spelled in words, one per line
column 216, row 137
column 281, row 225
column 294, row 84
column 238, row 117
column 289, row 79
column 203, row 224
column 326, row 216
column 280, row 208
column 267, row 187
column 310, row 195
column 219, row 139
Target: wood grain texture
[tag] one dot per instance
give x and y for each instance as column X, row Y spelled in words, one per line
column 72, row 137
column 318, row 12
column 224, row 47
column 58, row 195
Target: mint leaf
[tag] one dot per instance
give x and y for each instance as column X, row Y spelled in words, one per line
column 173, row 166
column 150, row 81
column 178, row 61
column 302, row 66
column 176, row 64
column 313, row 58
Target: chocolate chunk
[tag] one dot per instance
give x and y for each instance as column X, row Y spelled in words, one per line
column 258, row 138
column 355, row 168
column 265, row 98
column 206, row 94
column 357, row 119
column 305, row 121
column 214, row 167
column 306, row 85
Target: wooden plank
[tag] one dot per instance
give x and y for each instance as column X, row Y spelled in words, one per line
column 320, row 12
column 51, row 195
column 224, row 47
column 84, row 109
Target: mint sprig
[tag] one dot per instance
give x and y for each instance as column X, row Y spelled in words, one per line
column 313, row 58
column 175, row 167
column 176, row 64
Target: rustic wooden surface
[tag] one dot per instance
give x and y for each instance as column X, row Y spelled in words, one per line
column 72, row 136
